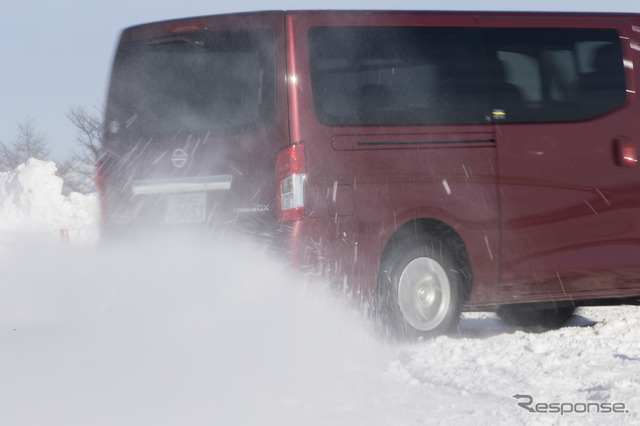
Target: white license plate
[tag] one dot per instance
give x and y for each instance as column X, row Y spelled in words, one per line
column 186, row 208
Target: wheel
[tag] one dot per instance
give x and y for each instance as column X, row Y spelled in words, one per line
column 419, row 290
column 536, row 316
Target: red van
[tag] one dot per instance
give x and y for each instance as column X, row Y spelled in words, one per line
column 428, row 162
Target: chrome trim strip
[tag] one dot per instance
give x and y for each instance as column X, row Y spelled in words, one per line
column 186, row 184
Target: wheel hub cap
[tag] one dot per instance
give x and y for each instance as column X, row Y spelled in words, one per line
column 424, row 293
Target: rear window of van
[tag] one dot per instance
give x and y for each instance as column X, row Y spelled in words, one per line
column 211, row 82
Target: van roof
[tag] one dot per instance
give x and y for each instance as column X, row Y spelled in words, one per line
column 195, row 23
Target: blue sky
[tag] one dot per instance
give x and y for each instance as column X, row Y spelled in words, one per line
column 57, row 55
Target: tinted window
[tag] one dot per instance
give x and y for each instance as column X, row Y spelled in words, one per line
column 554, row 74
column 397, row 76
column 219, row 82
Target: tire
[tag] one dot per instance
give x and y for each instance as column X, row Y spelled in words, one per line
column 419, row 291
column 536, row 317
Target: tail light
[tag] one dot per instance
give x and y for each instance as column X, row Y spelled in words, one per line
column 291, row 174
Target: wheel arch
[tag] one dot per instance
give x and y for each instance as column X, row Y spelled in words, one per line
column 423, row 228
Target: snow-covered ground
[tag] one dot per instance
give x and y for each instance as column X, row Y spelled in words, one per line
column 182, row 333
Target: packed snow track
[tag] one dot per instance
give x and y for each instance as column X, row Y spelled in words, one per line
column 179, row 333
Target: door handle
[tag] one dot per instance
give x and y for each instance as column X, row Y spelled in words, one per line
column 625, row 151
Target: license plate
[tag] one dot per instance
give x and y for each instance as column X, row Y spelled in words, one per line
column 186, row 208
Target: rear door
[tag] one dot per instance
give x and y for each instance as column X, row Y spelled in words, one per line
column 567, row 133
column 195, row 116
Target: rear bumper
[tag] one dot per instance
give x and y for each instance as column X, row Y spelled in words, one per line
column 303, row 243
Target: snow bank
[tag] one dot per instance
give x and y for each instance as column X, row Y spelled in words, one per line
column 31, row 203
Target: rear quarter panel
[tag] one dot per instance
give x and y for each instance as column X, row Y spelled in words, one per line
column 366, row 182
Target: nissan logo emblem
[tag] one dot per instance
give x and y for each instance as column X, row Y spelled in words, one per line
column 179, row 158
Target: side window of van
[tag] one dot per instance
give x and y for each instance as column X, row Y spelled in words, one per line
column 397, row 76
column 540, row 75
